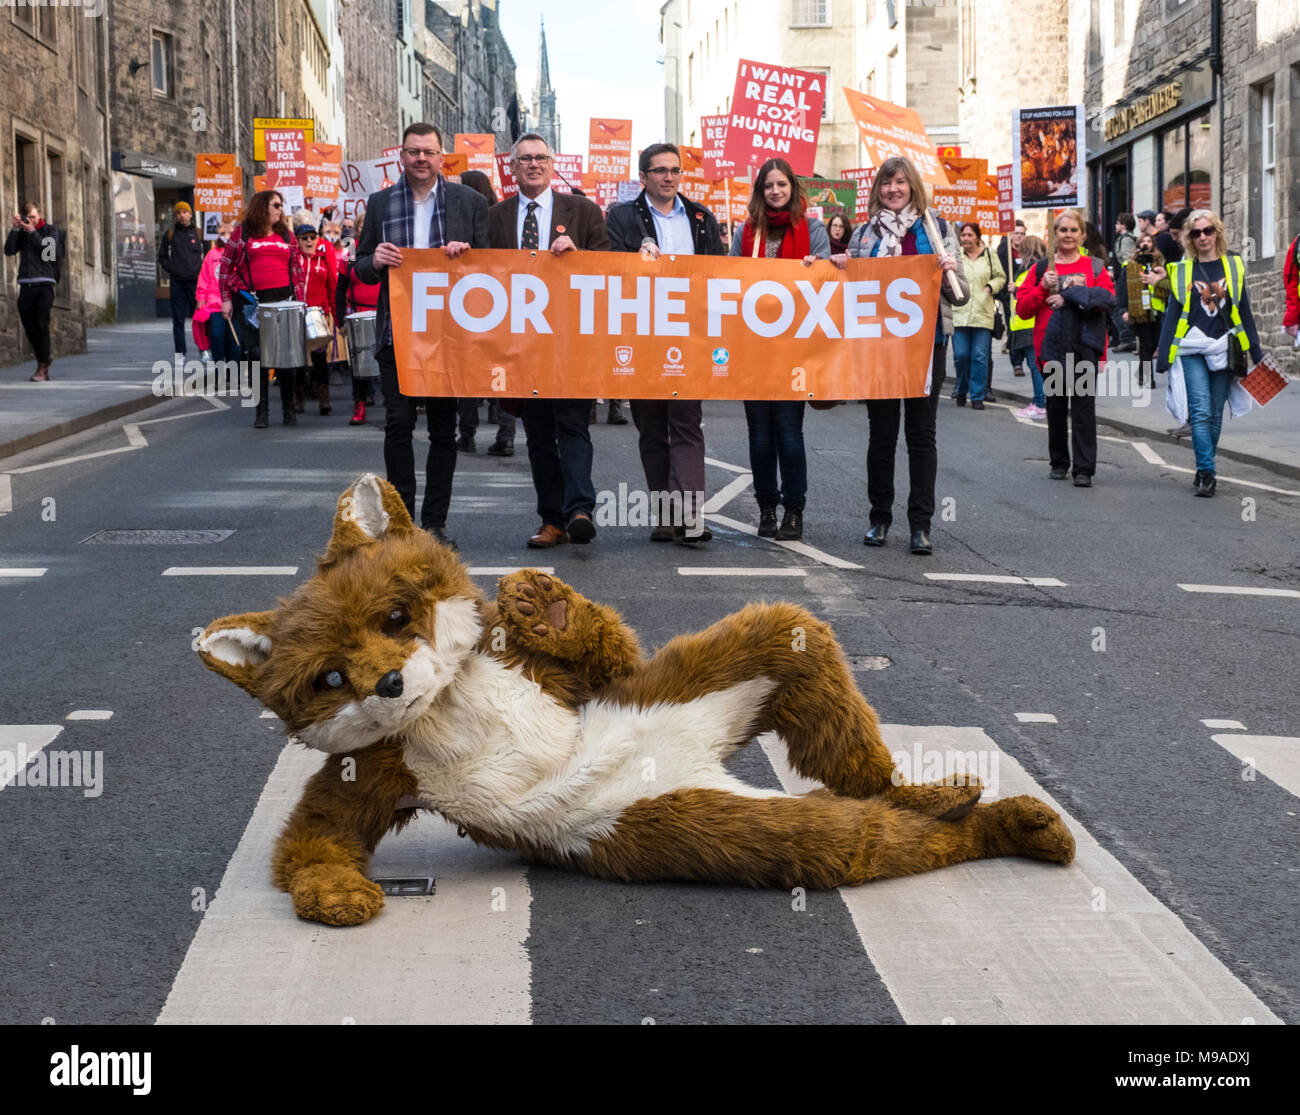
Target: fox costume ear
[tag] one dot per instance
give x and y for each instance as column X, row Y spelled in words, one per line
column 236, row 646
column 367, row 511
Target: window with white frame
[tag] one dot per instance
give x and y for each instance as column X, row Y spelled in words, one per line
column 826, row 88
column 1267, row 170
column 810, row 13
column 160, row 64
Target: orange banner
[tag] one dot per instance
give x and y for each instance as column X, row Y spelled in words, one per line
column 973, row 196
column 517, row 324
column 455, row 163
column 609, row 150
column 887, row 129
column 480, row 154
column 218, row 184
column 323, row 163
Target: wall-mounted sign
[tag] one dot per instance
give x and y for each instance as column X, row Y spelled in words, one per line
column 1165, row 99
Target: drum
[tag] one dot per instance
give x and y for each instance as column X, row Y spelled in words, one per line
column 283, row 334
column 317, row 327
column 361, row 342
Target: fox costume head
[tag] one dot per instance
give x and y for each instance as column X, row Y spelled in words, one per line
column 364, row 648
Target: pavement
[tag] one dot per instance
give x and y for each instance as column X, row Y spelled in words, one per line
column 116, row 378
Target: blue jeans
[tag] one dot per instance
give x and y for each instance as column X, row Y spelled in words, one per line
column 222, row 342
column 1207, row 392
column 1031, row 362
column 970, row 354
column 776, row 437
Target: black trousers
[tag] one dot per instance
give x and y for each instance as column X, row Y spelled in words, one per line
column 1072, row 411
column 922, row 450
column 560, row 456
column 183, row 304
column 399, row 447
column 34, row 303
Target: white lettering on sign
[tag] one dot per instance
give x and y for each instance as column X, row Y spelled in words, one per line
column 718, row 309
column 638, row 304
column 896, row 298
column 749, row 308
column 666, row 305
column 422, row 301
column 586, row 286
column 525, row 311
column 489, row 321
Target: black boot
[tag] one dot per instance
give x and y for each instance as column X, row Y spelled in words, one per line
column 767, row 522
column 262, row 418
column 791, row 528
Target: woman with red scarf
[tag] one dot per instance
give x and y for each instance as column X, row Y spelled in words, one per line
column 777, row 229
column 263, row 264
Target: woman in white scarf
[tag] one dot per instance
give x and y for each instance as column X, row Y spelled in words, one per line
column 897, row 227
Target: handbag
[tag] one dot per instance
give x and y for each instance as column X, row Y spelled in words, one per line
column 999, row 322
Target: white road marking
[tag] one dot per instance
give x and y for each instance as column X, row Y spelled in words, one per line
column 1147, row 453
column 26, row 739
column 795, row 547
column 1277, row 758
column 1027, row 942
column 73, row 460
column 134, row 438
column 1036, row 718
column 1225, row 725
column 1015, row 413
column 506, row 570
column 739, row 571
column 446, row 959
column 1234, row 480
column 230, row 571
column 723, row 464
column 6, row 494
column 1241, row 590
column 20, row 571
column 267, row 714
column 90, row 714
column 726, row 495
column 995, row 579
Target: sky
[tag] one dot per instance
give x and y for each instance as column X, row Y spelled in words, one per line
column 604, row 58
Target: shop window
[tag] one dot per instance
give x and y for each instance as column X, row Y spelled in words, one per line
column 1202, row 162
column 1173, row 162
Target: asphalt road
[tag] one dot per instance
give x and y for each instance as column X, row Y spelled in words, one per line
column 104, row 896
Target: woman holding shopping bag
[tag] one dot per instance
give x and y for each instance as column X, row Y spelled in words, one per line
column 973, row 320
column 1207, row 331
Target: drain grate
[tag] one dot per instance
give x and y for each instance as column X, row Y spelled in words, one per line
column 869, row 662
column 156, row 537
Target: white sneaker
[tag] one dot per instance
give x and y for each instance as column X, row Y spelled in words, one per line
column 1032, row 411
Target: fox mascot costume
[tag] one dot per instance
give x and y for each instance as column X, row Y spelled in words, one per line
column 535, row 724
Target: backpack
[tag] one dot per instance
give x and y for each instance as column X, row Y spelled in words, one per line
column 1040, row 268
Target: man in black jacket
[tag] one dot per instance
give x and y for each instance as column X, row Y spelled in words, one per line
column 181, row 255
column 39, row 247
column 423, row 210
column 671, row 440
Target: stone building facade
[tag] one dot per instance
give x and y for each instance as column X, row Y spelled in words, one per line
column 369, row 30
column 484, row 96
column 54, row 112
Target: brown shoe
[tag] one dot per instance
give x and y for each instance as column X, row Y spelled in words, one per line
column 42, row 374
column 547, row 536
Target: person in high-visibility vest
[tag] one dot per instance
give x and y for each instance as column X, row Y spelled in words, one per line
column 1032, row 249
column 1209, row 316
column 1145, row 292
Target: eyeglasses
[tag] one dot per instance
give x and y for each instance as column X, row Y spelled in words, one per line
column 417, row 153
column 525, row 160
column 1197, row 233
column 307, row 236
column 672, row 171
column 275, row 205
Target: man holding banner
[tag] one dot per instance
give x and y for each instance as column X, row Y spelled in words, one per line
column 559, row 444
column 671, row 440
column 421, row 210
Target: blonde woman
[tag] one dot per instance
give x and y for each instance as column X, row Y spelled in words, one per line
column 895, row 226
column 1208, row 318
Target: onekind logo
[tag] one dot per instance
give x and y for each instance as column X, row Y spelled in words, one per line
column 674, row 355
column 673, row 364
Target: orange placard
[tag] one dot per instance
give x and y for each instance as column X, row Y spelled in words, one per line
column 480, row 154
column 519, row 324
column 888, row 129
column 324, row 161
column 609, row 150
column 973, row 196
column 454, row 163
column 218, row 184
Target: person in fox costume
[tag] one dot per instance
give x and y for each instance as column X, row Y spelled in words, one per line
column 528, row 722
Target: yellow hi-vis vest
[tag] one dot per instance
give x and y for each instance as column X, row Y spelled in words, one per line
column 1180, row 280
column 1021, row 323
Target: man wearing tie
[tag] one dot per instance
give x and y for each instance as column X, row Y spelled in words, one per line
column 559, row 444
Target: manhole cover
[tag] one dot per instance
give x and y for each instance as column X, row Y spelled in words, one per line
column 156, row 537
column 869, row 662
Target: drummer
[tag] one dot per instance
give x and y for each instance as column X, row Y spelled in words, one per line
column 354, row 297
column 322, row 272
column 263, row 264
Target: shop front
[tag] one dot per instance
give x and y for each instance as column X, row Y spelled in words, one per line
column 1158, row 148
column 145, row 190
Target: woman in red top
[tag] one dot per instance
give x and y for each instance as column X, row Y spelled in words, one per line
column 1069, row 298
column 322, row 273
column 353, row 296
column 263, row 264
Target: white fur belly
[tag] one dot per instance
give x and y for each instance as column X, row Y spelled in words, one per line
column 499, row 755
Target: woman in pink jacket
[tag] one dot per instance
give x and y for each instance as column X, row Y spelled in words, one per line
column 213, row 333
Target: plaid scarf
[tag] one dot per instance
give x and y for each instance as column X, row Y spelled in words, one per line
column 399, row 222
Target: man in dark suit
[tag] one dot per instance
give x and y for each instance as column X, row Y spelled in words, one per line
column 671, row 439
column 422, row 210
column 559, row 444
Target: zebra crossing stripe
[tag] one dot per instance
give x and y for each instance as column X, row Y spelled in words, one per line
column 1014, row 941
column 455, row 957
column 1277, row 758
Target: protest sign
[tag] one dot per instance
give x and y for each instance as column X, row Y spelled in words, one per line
column 832, row 196
column 479, row 151
column 324, row 161
column 260, row 123
column 609, row 150
column 218, row 185
column 286, row 157
column 716, row 167
column 566, row 173
column 612, row 325
column 1050, row 161
column 775, row 112
column 1006, row 209
column 864, row 177
column 454, row 164
column 887, row 129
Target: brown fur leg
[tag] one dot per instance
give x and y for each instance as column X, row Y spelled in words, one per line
column 816, row 841
column 551, row 629
column 831, row 731
column 322, row 853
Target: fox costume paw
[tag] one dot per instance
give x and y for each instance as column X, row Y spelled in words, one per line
column 335, row 894
column 537, row 608
column 1031, row 828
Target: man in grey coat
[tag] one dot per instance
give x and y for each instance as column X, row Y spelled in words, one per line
column 422, row 210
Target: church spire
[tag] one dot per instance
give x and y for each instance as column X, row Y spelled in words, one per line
column 548, row 122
